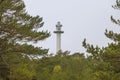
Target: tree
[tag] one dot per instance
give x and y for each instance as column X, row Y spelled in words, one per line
column 17, row 28
column 108, row 57
column 112, row 52
column 64, row 67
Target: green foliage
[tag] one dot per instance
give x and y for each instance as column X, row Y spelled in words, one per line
column 112, row 52
column 57, row 68
column 95, row 52
column 107, row 59
column 22, row 72
column 117, row 5
column 20, row 27
column 68, row 67
column 1, row 79
column 17, row 28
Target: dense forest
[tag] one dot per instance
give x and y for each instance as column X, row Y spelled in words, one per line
column 21, row 61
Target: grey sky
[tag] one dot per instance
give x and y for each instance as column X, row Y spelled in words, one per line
column 80, row 19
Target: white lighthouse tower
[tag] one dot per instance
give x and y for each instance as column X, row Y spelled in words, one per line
column 58, row 33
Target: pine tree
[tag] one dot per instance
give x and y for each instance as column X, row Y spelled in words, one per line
column 112, row 52
column 17, row 28
column 108, row 55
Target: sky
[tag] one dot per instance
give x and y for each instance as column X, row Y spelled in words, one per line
column 80, row 19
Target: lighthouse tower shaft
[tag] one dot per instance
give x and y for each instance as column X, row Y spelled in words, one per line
column 58, row 33
column 58, row 42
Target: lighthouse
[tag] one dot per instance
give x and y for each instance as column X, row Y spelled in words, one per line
column 58, row 33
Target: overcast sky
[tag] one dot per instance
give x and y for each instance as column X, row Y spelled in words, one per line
column 80, row 19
